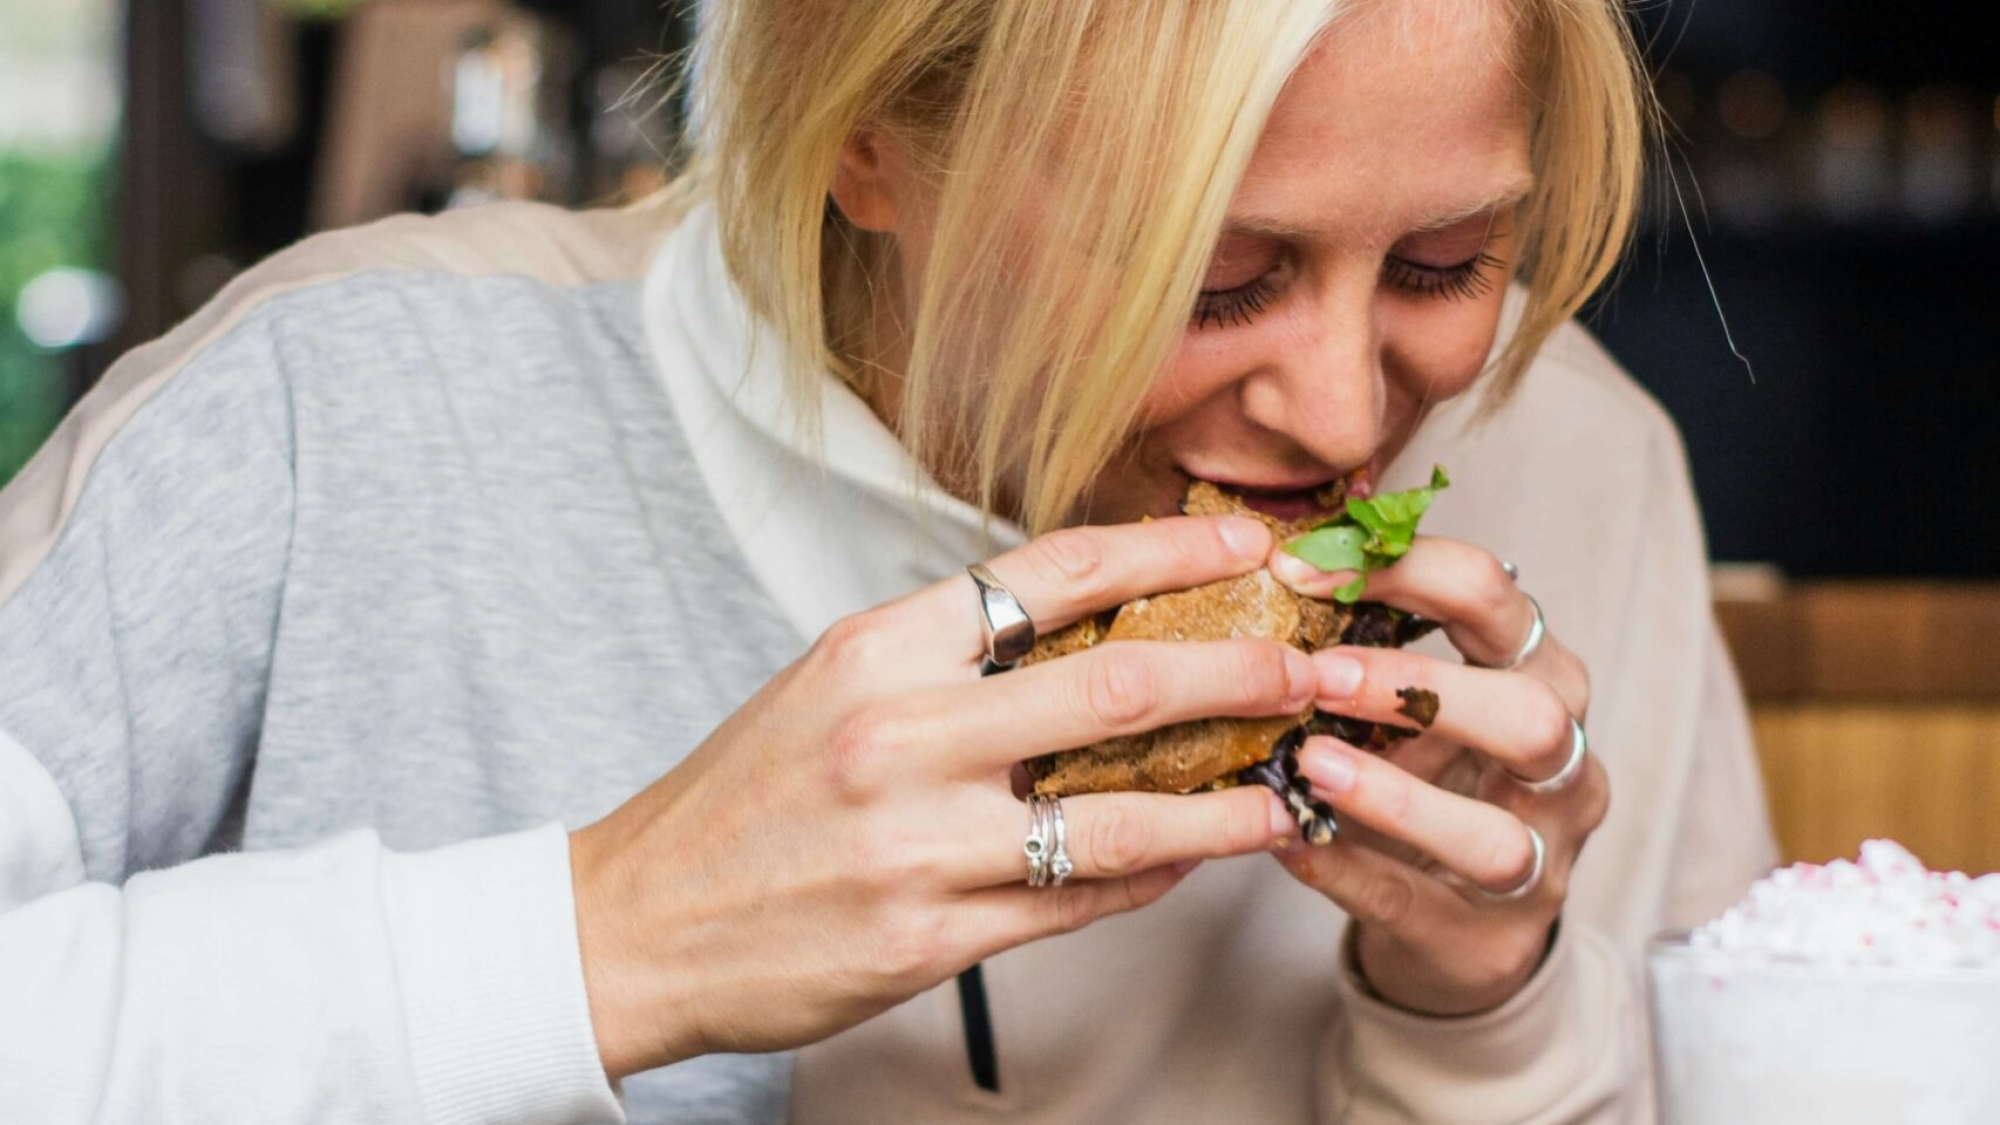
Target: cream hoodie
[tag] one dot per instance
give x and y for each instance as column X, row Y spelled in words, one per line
column 1227, row 1001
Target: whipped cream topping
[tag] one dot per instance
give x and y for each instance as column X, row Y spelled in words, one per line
column 1885, row 909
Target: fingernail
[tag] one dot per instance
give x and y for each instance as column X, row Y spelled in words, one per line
column 1294, row 571
column 1329, row 769
column 1246, row 537
column 1302, row 679
column 1283, row 826
column 1306, row 578
column 1339, row 674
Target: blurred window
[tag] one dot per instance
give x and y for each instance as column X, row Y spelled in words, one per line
column 59, row 112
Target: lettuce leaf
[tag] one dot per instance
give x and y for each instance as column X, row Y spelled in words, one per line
column 1369, row 535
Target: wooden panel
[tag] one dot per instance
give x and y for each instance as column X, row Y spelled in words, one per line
column 1883, row 641
column 1924, row 776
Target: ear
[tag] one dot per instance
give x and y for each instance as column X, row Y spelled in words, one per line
column 871, row 181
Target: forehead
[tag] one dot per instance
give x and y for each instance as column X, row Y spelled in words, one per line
column 1406, row 113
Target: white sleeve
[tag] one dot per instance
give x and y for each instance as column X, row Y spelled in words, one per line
column 341, row 982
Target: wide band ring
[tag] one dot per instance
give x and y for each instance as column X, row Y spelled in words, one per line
column 1579, row 749
column 1005, row 626
column 1047, row 845
column 1537, row 629
column 1533, row 880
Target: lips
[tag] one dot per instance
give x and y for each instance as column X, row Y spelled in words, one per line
column 1289, row 501
column 1285, row 505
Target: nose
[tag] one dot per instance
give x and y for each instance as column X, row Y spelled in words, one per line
column 1322, row 386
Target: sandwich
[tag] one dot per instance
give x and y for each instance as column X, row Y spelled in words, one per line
column 1357, row 534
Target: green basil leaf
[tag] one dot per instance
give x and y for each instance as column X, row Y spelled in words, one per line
column 1370, row 534
column 1332, row 548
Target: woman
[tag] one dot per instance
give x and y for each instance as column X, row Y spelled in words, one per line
column 450, row 533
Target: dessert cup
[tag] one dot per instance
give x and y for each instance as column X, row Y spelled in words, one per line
column 1758, row 1039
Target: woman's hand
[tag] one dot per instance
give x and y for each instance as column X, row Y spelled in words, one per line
column 1445, row 815
column 850, row 837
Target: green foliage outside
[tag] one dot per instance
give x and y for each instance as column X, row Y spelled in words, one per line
column 52, row 213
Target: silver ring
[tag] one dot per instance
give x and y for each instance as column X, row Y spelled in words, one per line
column 1047, row 845
column 1528, row 884
column 1537, row 629
column 1579, row 749
column 1005, row 626
column 1513, row 572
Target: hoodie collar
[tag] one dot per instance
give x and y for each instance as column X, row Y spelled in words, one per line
column 832, row 517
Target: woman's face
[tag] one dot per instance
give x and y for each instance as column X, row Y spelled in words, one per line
column 1359, row 278
column 1361, row 271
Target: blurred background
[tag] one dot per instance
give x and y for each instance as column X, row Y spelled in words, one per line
column 1813, row 297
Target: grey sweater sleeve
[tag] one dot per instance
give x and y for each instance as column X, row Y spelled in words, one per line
column 145, row 979
column 134, row 658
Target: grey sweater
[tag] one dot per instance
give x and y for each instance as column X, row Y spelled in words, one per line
column 399, row 536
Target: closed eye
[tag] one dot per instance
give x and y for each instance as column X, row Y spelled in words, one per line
column 1471, row 278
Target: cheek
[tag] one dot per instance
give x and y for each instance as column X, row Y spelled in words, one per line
column 1199, row 365
column 1437, row 349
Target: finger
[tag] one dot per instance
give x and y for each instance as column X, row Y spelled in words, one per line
column 1115, row 835
column 1113, row 689
column 1379, row 891
column 1484, row 613
column 1005, row 917
column 1479, row 842
column 1068, row 574
column 1517, row 720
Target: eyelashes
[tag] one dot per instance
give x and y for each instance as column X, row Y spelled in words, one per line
column 1233, row 306
column 1471, row 278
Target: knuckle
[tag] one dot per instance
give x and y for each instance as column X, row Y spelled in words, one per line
column 1555, row 884
column 1119, row 839
column 1393, row 796
column 1249, row 828
column 1493, row 589
column 1547, row 721
column 1386, row 900
column 851, row 644
column 1509, row 857
column 1596, row 797
column 915, row 946
column 1072, row 556
column 1262, row 672
column 1070, row 909
column 1120, row 690
column 858, row 750
column 1582, row 688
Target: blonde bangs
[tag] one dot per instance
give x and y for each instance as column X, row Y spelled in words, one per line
column 1592, row 115
column 1072, row 236
column 1082, row 155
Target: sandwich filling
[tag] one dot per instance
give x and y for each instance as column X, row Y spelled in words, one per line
column 1221, row 752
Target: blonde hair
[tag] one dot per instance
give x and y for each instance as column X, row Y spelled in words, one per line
column 1115, row 130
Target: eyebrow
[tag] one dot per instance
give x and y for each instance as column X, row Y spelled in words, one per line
column 1260, row 226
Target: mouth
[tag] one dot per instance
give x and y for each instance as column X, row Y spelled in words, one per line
column 1294, row 500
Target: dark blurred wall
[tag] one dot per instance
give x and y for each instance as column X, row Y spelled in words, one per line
column 1840, row 165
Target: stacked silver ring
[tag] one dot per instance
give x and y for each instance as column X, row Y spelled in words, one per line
column 1534, row 877
column 1047, row 845
column 1537, row 629
column 1572, row 767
